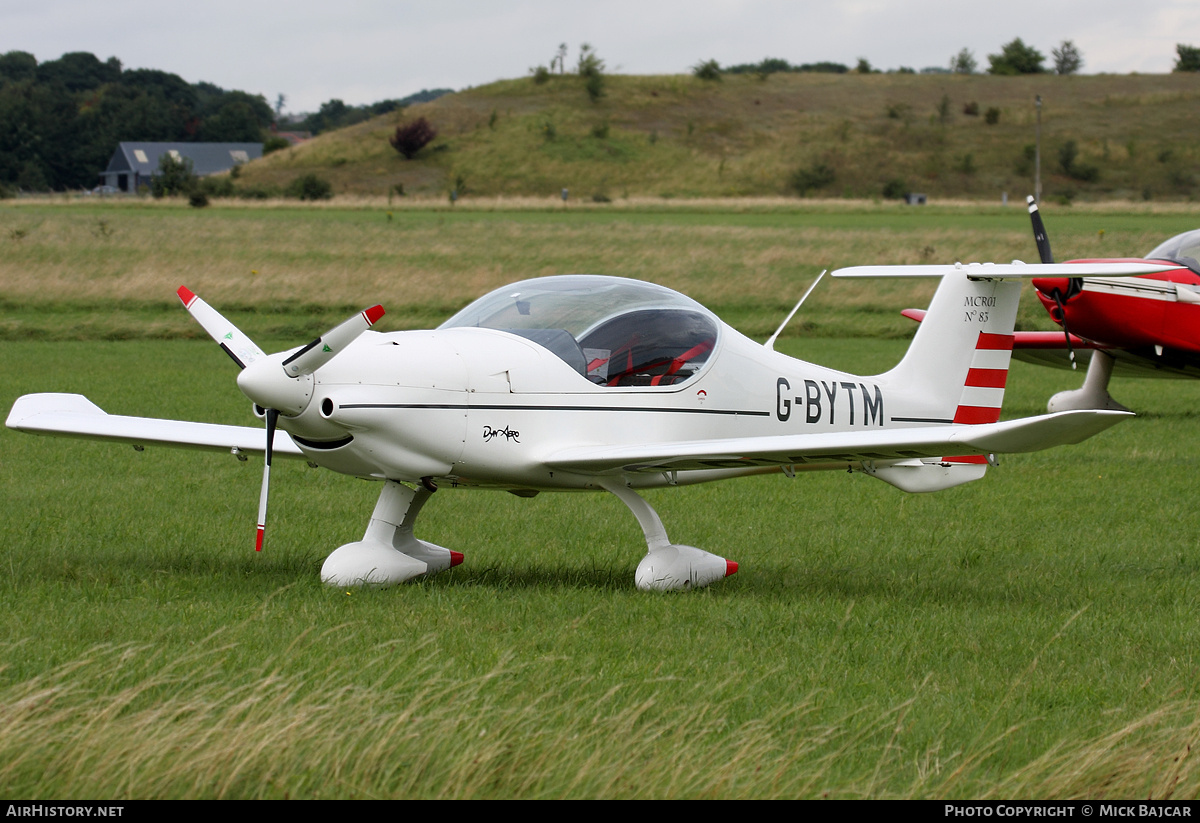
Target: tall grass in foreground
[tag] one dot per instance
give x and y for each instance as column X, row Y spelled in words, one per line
column 129, row 722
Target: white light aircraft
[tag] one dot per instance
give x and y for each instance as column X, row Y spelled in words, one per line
column 584, row 382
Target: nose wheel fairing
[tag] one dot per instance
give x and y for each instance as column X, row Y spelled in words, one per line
column 389, row 552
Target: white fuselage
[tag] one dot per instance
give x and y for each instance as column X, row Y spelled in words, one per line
column 482, row 407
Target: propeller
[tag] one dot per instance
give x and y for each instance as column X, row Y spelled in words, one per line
column 1039, row 231
column 276, row 383
column 1054, row 285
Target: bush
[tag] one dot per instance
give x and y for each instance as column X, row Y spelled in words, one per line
column 274, row 143
column 594, row 86
column 818, row 175
column 540, row 74
column 707, row 70
column 895, row 189
column 943, row 109
column 992, row 117
column 217, row 186
column 410, row 138
column 198, row 199
column 971, row 109
column 1068, row 156
column 258, row 192
column 309, row 187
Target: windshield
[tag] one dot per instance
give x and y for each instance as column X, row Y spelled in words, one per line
column 613, row 331
column 1182, row 248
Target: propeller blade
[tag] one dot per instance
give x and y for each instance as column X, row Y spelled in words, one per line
column 272, row 421
column 1073, row 284
column 240, row 348
column 320, row 351
column 1039, row 232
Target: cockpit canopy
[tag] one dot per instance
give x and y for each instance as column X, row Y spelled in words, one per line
column 613, row 331
column 1182, row 248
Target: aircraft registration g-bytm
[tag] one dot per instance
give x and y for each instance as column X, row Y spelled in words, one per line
column 584, row 382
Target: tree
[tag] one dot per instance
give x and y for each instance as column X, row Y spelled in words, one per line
column 17, row 65
column 1016, row 58
column 410, row 138
column 589, row 62
column 1189, row 58
column 79, row 71
column 864, row 66
column 591, row 68
column 963, row 62
column 174, row 176
column 1067, row 58
column 234, row 122
column 560, row 57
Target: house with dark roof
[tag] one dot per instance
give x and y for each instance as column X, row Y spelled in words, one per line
column 134, row 164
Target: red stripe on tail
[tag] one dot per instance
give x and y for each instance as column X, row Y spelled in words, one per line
column 987, row 378
column 994, row 342
column 973, row 415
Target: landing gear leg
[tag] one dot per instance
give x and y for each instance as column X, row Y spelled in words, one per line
column 1094, row 392
column 667, row 566
column 389, row 553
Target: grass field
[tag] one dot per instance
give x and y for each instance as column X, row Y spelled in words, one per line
column 1030, row 635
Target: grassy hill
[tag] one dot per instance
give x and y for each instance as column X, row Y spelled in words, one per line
column 837, row 135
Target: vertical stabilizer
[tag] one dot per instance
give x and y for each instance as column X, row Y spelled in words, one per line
column 956, row 368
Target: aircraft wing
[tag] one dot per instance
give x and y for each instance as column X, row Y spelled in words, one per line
column 73, row 415
column 1024, row 435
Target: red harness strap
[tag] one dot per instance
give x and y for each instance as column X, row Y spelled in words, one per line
column 678, row 362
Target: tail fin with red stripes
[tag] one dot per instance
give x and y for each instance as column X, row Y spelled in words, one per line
column 956, row 368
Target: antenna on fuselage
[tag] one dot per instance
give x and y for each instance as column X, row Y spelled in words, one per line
column 770, row 344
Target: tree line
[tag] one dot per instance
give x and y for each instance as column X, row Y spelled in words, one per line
column 61, row 120
column 1014, row 58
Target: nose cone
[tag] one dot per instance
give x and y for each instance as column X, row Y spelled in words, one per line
column 266, row 383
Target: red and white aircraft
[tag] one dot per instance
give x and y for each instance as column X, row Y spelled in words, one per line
column 583, row 382
column 1142, row 326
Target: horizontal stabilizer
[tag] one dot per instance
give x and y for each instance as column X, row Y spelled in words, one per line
column 1000, row 271
column 1011, row 436
column 1050, row 340
column 73, row 415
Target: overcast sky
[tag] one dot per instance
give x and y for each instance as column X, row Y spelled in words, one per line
column 362, row 51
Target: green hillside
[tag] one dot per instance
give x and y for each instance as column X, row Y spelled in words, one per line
column 846, row 135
